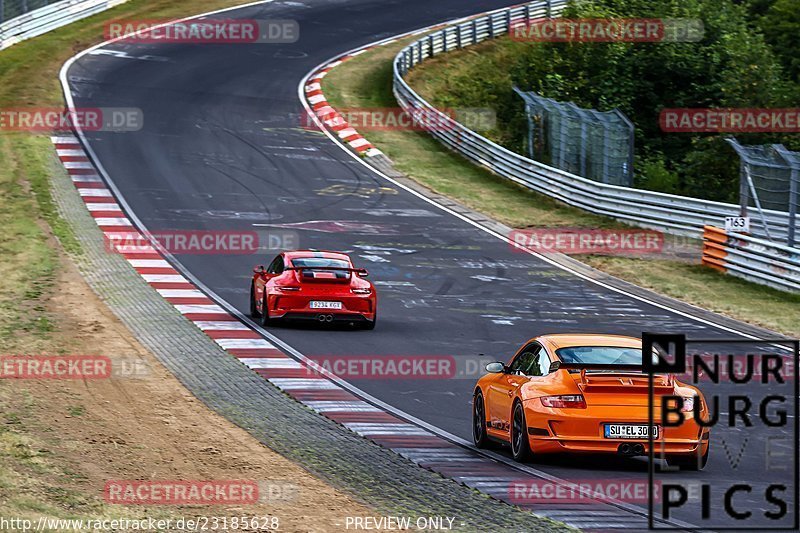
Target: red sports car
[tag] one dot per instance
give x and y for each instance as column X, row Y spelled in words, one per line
column 313, row 285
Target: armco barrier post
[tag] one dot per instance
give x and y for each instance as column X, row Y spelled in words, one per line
column 792, row 160
column 794, row 192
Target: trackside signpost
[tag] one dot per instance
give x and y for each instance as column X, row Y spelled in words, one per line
column 746, row 412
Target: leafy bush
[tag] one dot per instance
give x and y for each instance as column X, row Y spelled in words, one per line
column 733, row 65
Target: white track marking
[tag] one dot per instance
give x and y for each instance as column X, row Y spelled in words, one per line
column 164, row 278
column 288, row 384
column 222, row 325
column 271, row 362
column 232, row 344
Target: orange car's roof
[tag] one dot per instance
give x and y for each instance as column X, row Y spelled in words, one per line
column 565, row 340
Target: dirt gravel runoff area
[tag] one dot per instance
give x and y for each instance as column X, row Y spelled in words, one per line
column 68, row 446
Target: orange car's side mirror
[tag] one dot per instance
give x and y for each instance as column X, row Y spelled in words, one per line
column 259, row 269
column 496, row 368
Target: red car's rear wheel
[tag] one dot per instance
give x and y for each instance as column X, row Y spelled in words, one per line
column 253, row 307
column 370, row 324
column 265, row 319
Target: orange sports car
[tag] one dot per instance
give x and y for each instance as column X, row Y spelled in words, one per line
column 586, row 394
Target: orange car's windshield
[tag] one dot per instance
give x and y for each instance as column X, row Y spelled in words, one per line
column 600, row 355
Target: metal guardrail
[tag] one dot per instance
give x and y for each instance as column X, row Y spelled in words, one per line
column 48, row 18
column 753, row 259
column 670, row 213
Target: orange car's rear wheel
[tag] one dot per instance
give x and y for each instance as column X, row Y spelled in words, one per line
column 479, row 435
column 520, row 446
column 689, row 462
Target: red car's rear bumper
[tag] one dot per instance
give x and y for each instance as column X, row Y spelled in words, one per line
column 353, row 307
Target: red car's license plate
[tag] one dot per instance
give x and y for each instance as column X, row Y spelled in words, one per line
column 629, row 431
column 326, row 305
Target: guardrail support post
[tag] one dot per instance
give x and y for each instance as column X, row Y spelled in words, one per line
column 744, row 191
column 444, row 40
column 794, row 198
column 491, row 26
column 474, row 31
column 458, row 36
column 549, row 10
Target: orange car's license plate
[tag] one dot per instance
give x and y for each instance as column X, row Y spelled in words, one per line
column 629, row 431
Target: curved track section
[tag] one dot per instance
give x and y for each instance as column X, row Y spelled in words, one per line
column 223, row 149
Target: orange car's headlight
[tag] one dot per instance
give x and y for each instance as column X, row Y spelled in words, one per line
column 566, row 401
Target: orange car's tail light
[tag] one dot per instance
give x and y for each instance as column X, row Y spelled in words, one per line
column 567, row 401
column 688, row 403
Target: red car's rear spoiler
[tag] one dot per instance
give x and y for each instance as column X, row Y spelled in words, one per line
column 343, row 269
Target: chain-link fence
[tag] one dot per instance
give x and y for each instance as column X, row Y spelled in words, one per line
column 769, row 179
column 590, row 143
column 10, row 9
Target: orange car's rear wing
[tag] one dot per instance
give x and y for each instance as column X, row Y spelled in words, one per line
column 634, row 373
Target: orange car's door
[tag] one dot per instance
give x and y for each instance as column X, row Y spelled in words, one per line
column 501, row 391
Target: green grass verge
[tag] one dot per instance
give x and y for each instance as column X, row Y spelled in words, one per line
column 366, row 81
column 31, row 250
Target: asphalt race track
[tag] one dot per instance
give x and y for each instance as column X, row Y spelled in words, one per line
column 223, row 149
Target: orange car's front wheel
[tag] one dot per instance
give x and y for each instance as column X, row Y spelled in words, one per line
column 520, row 446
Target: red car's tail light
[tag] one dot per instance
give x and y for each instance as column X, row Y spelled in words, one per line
column 289, row 289
column 362, row 291
column 567, row 401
